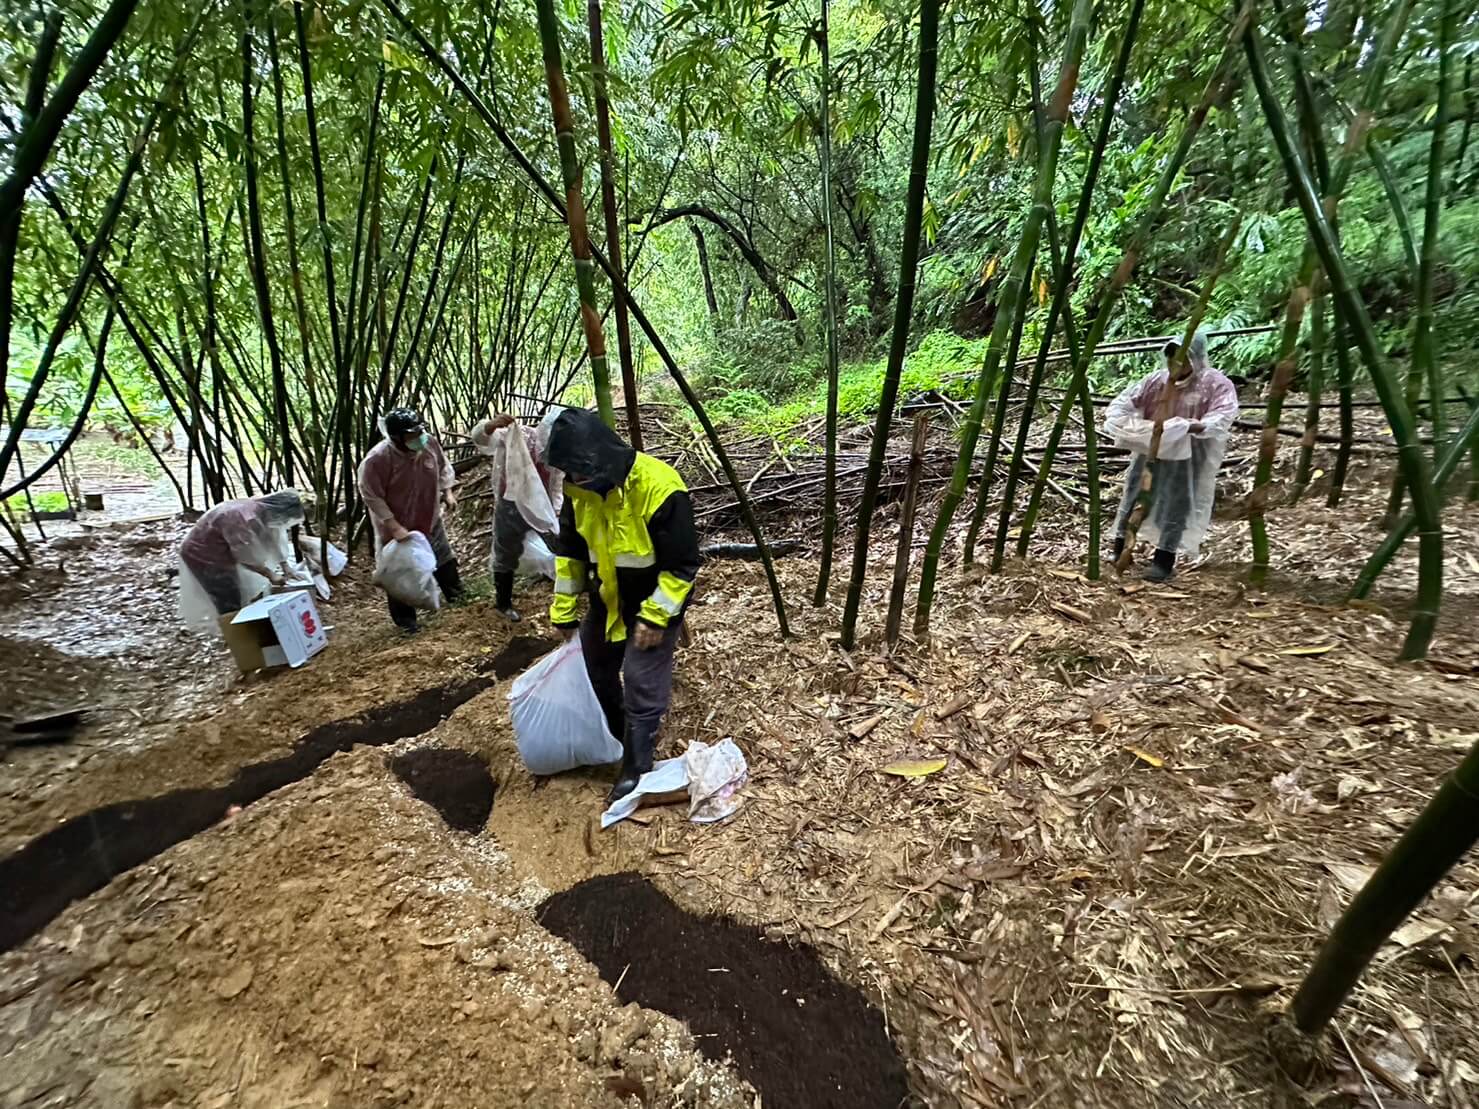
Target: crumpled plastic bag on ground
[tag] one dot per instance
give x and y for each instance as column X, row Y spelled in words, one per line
column 537, row 561
column 406, row 569
column 309, row 547
column 712, row 774
column 558, row 723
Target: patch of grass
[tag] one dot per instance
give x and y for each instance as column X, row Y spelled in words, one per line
column 44, row 502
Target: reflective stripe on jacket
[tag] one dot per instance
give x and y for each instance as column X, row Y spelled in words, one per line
column 639, row 539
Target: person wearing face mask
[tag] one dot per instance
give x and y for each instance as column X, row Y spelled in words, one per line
column 626, row 538
column 405, row 481
column 1199, row 412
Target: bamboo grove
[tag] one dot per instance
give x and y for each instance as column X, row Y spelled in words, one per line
column 275, row 221
column 287, row 218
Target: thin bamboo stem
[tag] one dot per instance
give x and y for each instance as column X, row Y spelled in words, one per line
column 924, row 114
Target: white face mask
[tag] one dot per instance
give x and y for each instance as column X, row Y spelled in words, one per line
column 418, row 442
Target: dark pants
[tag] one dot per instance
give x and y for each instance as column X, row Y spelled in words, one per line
column 509, row 529
column 634, row 687
column 449, row 579
column 220, row 584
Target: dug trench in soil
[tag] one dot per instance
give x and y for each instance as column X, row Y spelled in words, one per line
column 517, row 655
column 455, row 783
column 83, row 855
column 803, row 1039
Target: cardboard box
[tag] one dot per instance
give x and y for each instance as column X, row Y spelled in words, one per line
column 283, row 629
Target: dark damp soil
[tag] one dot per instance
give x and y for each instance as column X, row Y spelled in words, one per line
column 517, row 655
column 455, row 783
column 803, row 1039
column 84, row 854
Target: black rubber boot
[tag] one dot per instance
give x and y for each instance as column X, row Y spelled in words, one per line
column 404, row 616
column 503, row 595
column 449, row 578
column 1162, row 567
column 1119, row 547
column 637, row 746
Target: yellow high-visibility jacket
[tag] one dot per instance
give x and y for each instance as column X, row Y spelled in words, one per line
column 635, row 550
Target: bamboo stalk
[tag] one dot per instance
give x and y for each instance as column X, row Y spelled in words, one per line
column 1424, row 355
column 1010, row 301
column 10, row 229
column 1315, row 383
column 1443, row 832
column 1059, row 308
column 924, row 114
column 91, row 261
column 1448, row 463
column 1114, row 285
column 1345, row 378
column 585, row 270
column 613, row 222
column 36, row 141
column 906, row 531
column 829, row 492
column 1410, row 455
column 257, row 252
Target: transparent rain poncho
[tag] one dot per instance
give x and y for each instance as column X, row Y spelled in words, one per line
column 221, row 555
column 1188, row 460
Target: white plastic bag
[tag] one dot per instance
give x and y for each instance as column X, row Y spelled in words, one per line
column 538, row 561
column 406, row 569
column 309, row 549
column 558, row 723
column 713, row 776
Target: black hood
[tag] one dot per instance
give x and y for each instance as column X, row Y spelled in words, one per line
column 580, row 443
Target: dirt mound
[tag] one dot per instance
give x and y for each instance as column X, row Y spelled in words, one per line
column 797, row 1034
column 84, row 854
column 516, row 657
column 455, row 783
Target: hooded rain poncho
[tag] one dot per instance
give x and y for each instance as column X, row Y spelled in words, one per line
column 1187, row 462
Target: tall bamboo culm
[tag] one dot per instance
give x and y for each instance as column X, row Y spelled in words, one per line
column 1314, row 387
column 924, row 112
column 1010, row 302
column 1061, row 294
column 1413, row 462
column 1114, row 285
column 580, row 244
column 612, row 218
column 829, row 278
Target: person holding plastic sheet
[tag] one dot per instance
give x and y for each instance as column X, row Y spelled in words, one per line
column 404, row 481
column 232, row 551
column 513, row 520
column 627, row 538
column 1201, row 408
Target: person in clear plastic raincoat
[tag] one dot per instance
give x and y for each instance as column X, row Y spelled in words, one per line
column 1202, row 406
column 234, row 553
column 405, row 481
column 522, row 494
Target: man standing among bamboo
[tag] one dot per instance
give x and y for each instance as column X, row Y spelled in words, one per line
column 405, row 481
column 1197, row 415
column 628, row 539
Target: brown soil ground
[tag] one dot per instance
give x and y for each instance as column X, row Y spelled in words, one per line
column 1154, row 802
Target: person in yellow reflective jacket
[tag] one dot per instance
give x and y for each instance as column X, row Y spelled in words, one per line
column 626, row 539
